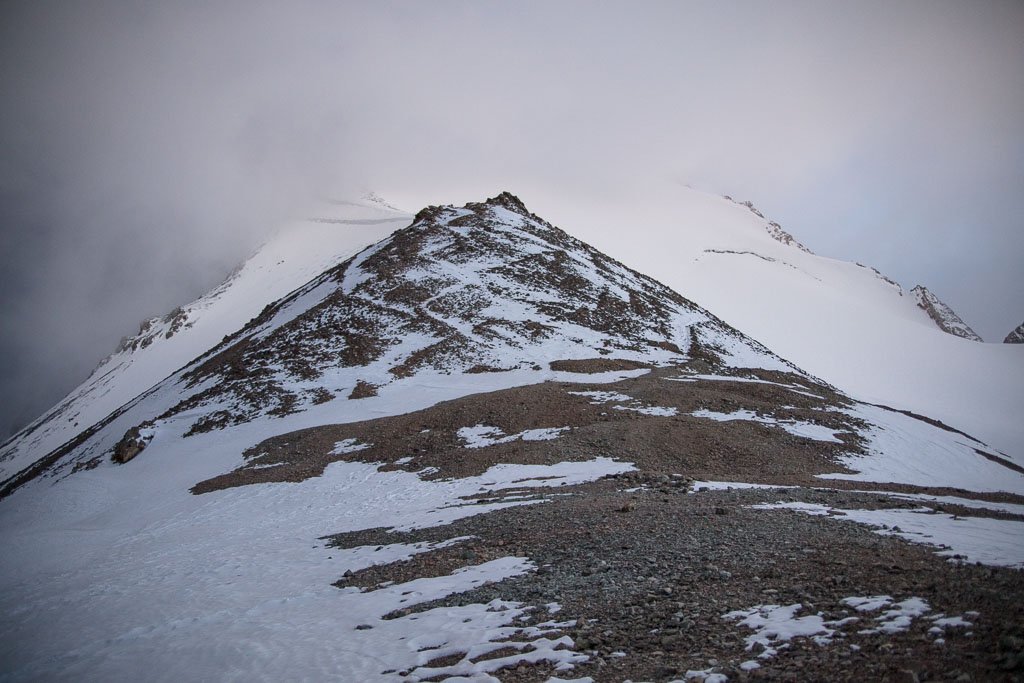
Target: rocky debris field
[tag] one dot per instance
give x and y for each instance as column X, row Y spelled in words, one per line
column 645, row 578
column 656, row 576
column 647, row 420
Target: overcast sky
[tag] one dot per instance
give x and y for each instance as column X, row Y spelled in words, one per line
column 145, row 148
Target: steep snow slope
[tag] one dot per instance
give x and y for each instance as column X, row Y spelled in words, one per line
column 840, row 321
column 294, row 255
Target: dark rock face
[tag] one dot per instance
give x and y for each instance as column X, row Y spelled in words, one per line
column 944, row 316
column 1016, row 336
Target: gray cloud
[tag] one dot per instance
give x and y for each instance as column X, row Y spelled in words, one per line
column 145, row 148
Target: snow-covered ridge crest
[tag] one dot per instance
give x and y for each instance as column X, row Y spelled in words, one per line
column 945, row 317
column 773, row 228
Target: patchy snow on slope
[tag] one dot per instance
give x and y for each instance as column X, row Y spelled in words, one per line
column 110, row 549
column 807, row 430
column 996, row 542
column 348, row 446
column 795, row 388
column 602, row 396
column 775, row 626
column 654, row 411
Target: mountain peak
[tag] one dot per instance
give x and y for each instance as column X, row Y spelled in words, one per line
column 462, row 290
column 509, row 201
column 1016, row 336
column 945, row 318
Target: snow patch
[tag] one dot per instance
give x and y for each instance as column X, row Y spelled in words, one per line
column 807, row 430
column 481, row 436
column 348, row 446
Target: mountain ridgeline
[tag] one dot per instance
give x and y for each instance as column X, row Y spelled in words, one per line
column 487, row 287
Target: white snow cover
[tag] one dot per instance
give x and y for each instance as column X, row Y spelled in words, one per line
column 348, row 446
column 151, row 582
column 907, row 450
column 837, row 320
column 654, row 411
column 297, row 253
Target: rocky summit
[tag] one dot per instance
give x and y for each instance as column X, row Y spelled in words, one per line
column 480, row 449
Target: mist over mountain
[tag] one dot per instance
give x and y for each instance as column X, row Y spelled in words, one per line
column 148, row 150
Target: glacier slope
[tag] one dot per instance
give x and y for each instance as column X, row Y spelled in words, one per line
column 839, row 321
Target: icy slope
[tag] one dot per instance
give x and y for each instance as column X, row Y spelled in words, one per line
column 293, row 256
column 837, row 320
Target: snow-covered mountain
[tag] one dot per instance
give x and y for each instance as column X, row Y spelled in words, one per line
column 945, row 317
column 840, row 321
column 297, row 253
column 468, row 451
column 487, row 287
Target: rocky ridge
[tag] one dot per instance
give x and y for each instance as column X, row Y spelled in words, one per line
column 1016, row 336
column 487, row 287
column 945, row 317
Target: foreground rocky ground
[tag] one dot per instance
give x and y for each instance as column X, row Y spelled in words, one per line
column 656, row 578
column 647, row 576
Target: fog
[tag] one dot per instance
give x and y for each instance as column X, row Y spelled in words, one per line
column 146, row 148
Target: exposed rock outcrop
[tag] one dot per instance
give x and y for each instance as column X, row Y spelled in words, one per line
column 1016, row 336
column 944, row 316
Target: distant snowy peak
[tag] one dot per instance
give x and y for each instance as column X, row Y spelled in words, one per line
column 773, row 228
column 944, row 316
column 1016, row 336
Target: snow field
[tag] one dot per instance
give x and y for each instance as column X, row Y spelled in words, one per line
column 152, row 582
